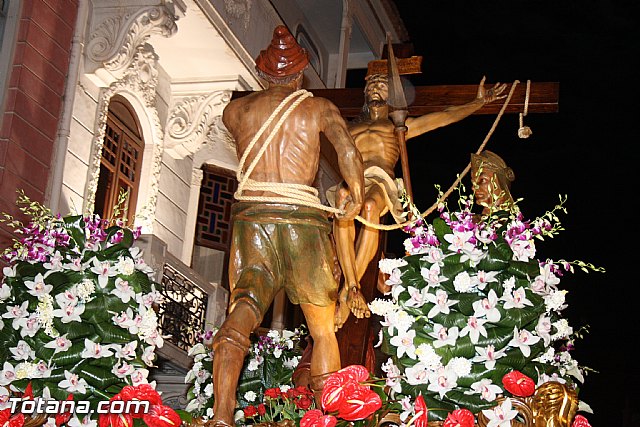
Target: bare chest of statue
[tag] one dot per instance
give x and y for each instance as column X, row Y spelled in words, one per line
column 377, row 143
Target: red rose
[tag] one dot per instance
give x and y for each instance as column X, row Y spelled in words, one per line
column 580, row 421
column 162, row 416
column 518, row 384
column 273, row 393
column 261, row 409
column 421, row 412
column 359, row 404
column 460, row 418
column 315, row 418
column 303, row 391
column 250, row 411
column 303, row 402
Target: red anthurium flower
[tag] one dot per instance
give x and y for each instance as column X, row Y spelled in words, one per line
column 518, row 384
column 421, row 417
column 148, row 393
column 342, row 383
column 128, row 392
column 356, row 373
column 359, row 404
column 460, row 418
column 8, row 420
column 28, row 392
column 580, row 421
column 315, row 418
column 162, row 416
column 115, row 420
column 65, row 416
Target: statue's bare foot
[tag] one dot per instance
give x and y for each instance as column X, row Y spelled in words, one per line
column 342, row 309
column 357, row 303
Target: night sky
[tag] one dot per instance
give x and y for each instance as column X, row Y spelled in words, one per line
column 586, row 151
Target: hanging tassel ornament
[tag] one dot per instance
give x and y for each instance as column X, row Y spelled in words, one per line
column 525, row 131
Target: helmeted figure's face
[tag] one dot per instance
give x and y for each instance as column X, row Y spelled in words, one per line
column 488, row 191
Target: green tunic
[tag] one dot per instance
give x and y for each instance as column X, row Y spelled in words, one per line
column 277, row 245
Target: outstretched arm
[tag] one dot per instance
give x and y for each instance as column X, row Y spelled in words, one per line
column 349, row 159
column 422, row 124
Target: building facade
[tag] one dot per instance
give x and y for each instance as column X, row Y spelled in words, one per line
column 108, row 102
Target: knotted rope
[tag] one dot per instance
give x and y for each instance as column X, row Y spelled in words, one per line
column 299, row 194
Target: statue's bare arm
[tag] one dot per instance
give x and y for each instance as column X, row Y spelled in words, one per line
column 349, row 158
column 422, row 124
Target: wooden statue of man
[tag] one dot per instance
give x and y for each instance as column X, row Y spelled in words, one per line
column 281, row 235
column 375, row 139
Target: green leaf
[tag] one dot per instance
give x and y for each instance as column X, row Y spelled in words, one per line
column 98, row 377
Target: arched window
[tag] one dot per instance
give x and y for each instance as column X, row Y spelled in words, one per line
column 121, row 162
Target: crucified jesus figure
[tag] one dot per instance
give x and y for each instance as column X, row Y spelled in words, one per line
column 374, row 136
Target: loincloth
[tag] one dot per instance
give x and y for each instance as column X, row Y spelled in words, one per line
column 391, row 188
column 277, row 246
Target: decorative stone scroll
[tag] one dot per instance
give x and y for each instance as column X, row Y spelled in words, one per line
column 117, row 31
column 196, row 121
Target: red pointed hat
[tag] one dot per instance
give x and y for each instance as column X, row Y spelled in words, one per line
column 284, row 56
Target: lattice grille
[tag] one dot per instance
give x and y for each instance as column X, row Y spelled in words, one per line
column 213, row 227
column 110, row 147
column 183, row 313
column 129, row 160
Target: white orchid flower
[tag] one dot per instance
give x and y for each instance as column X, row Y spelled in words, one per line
column 404, row 343
column 475, row 328
column 500, row 415
column 487, row 307
column 16, row 312
column 37, row 287
column 73, row 384
column 516, row 299
column 486, row 389
column 442, row 381
column 94, row 350
column 70, row 313
column 8, row 374
column 59, row 344
column 488, row 355
column 123, row 290
column 523, row 340
column 104, row 270
column 444, row 336
column 441, row 303
column 29, row 326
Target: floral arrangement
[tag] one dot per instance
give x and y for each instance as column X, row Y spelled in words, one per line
column 77, row 314
column 265, row 391
column 469, row 305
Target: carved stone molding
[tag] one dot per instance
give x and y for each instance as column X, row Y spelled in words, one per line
column 117, row 31
column 196, row 121
column 140, row 80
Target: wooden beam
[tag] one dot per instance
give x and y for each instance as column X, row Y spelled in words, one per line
column 543, row 98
